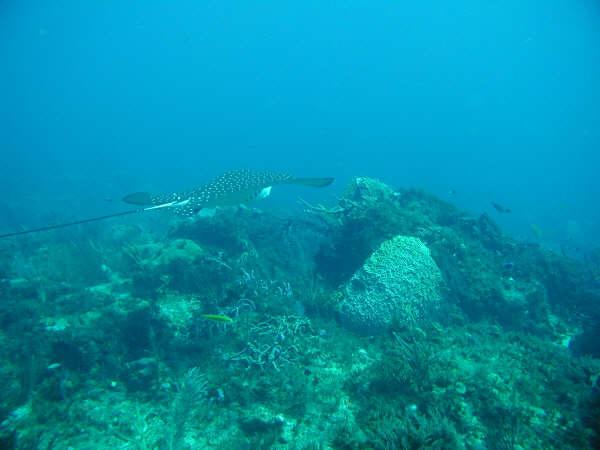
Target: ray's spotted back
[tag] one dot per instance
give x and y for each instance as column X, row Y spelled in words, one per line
column 231, row 188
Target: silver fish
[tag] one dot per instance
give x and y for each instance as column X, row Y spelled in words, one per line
column 232, row 188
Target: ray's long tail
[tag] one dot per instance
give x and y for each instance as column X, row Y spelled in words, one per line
column 70, row 224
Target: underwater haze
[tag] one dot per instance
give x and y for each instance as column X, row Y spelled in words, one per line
column 475, row 101
column 311, row 225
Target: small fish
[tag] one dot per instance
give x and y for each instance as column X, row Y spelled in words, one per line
column 508, row 266
column 537, row 231
column 217, row 318
column 501, row 209
column 232, row 188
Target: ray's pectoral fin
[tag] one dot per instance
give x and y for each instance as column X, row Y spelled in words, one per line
column 312, row 182
column 138, row 198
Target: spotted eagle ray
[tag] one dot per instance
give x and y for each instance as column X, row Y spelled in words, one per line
column 231, row 188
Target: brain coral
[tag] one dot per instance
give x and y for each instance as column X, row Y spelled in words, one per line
column 398, row 282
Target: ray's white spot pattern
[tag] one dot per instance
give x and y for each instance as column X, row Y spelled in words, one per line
column 234, row 187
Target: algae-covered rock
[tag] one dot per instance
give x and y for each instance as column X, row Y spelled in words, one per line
column 368, row 213
column 399, row 282
column 179, row 251
column 175, row 264
column 371, row 212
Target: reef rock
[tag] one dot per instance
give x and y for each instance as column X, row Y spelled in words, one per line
column 399, row 283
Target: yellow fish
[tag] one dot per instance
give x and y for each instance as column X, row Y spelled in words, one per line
column 537, row 231
column 218, row 318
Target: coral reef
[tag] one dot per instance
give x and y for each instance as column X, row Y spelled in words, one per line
column 389, row 320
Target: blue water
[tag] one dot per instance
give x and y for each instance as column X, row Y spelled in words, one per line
column 474, row 101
